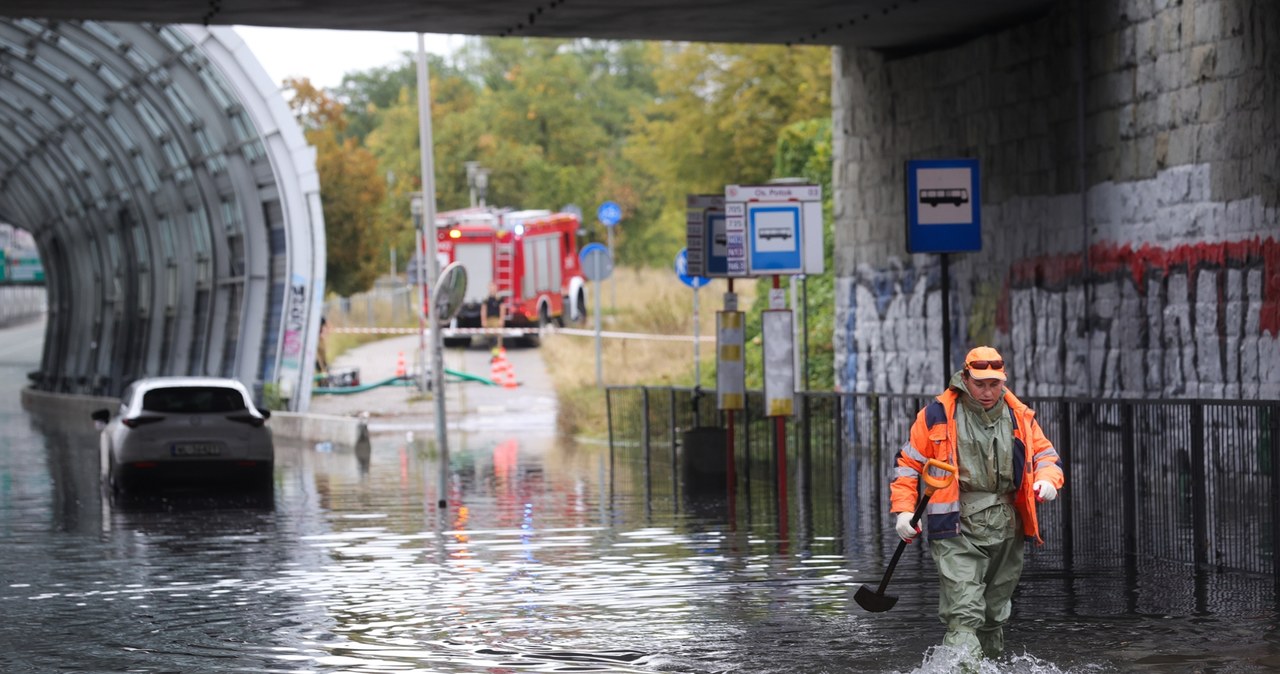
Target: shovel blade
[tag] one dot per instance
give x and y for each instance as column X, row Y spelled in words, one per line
column 873, row 602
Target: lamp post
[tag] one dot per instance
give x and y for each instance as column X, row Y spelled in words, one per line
column 482, row 183
column 427, row 199
column 472, row 167
column 415, row 207
column 477, row 181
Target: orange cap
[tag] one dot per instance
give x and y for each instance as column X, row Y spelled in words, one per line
column 984, row 362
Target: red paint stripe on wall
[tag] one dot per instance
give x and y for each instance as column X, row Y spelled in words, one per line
column 1106, row 260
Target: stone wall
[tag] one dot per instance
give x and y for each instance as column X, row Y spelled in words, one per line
column 1130, row 196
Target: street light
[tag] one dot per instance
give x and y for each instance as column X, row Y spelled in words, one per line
column 482, row 183
column 416, row 207
column 477, row 181
column 428, row 233
column 472, row 167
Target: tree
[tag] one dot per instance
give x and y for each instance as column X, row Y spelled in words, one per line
column 352, row 191
column 546, row 117
column 715, row 121
column 582, row 121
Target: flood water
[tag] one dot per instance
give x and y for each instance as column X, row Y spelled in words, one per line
column 543, row 562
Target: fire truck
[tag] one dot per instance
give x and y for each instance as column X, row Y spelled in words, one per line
column 530, row 256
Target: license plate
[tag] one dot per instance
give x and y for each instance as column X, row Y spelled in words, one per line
column 196, row 449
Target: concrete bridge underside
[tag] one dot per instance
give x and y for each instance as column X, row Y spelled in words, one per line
column 174, row 201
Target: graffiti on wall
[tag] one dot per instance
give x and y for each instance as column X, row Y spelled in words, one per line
column 1190, row 320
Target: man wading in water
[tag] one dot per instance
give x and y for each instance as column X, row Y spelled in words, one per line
column 978, row 523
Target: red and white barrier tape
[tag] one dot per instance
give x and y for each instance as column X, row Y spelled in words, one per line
column 519, row 332
column 632, row 335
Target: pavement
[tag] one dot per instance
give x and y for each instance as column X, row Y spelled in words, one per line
column 469, row 406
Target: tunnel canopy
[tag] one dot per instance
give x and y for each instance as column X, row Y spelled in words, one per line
column 174, row 201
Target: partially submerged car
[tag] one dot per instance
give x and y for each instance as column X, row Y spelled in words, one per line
column 182, row 430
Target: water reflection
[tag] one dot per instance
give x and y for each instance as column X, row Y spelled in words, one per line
column 546, row 560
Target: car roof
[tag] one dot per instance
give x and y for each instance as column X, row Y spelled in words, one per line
column 151, row 383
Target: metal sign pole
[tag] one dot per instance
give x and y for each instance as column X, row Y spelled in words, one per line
column 946, row 320
column 599, row 368
column 426, row 148
column 697, row 364
column 613, row 283
column 796, row 357
column 423, row 303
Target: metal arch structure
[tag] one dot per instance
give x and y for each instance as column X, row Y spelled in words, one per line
column 174, row 200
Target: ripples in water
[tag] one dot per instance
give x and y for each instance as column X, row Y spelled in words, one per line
column 542, row 562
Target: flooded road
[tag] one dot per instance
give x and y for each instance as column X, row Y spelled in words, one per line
column 543, row 562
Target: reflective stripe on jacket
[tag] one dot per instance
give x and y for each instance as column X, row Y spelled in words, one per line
column 933, row 436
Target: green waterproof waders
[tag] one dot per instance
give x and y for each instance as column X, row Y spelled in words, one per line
column 978, row 572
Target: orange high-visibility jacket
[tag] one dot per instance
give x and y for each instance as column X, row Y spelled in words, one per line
column 933, row 436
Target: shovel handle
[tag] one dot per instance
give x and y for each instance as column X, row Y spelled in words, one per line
column 931, row 483
column 902, row 545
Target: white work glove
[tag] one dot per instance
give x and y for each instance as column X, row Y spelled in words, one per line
column 905, row 531
column 1044, row 491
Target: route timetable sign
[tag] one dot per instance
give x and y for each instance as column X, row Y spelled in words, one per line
column 944, row 206
column 773, row 229
column 705, row 235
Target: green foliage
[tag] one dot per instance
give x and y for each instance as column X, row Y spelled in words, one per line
column 352, row 192
column 804, row 150
column 271, row 399
column 561, row 122
column 716, row 121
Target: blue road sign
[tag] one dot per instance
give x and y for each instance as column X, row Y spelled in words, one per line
column 774, row 238
column 596, row 262
column 682, row 269
column 609, row 213
column 944, row 206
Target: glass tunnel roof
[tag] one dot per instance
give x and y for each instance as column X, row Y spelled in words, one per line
column 173, row 199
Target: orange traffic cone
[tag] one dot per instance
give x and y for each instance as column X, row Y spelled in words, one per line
column 400, row 371
column 500, row 370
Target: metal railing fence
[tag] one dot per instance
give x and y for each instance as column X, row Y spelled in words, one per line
column 1184, row 481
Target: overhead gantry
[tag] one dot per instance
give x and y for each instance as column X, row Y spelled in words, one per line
column 174, row 200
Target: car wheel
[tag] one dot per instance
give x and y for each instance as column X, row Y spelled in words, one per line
column 457, row 342
column 263, row 479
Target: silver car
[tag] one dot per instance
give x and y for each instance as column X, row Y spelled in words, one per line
column 185, row 429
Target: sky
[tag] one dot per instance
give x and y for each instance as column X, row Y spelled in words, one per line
column 324, row 56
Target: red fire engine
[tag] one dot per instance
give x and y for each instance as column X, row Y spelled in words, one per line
column 530, row 256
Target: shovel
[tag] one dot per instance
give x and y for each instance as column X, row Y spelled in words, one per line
column 878, row 601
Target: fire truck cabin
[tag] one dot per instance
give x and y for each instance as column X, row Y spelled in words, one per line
column 530, row 256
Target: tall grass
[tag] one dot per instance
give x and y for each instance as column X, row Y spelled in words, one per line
column 649, row 301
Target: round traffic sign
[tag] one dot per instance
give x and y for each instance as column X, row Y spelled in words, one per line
column 609, row 213
column 449, row 291
column 682, row 271
column 596, row 262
